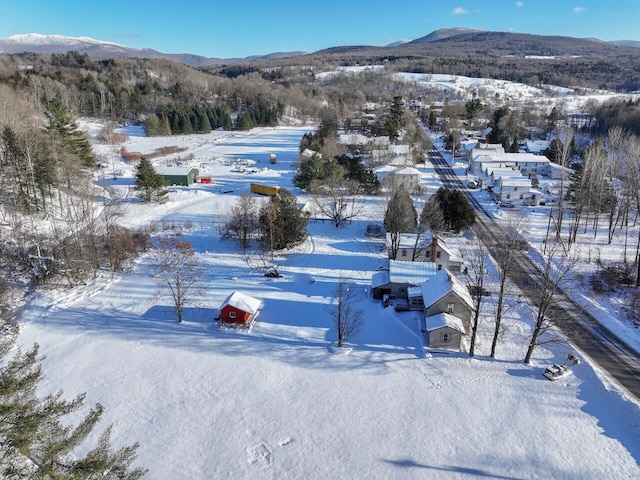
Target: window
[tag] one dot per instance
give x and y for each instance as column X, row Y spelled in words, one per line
column 232, row 314
column 450, row 307
column 438, row 254
column 445, row 338
column 439, row 266
column 404, row 252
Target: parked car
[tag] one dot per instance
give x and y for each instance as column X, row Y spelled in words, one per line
column 507, row 204
column 556, row 372
column 472, row 184
column 374, row 230
column 402, row 307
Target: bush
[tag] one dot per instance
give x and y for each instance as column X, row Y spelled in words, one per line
column 610, row 278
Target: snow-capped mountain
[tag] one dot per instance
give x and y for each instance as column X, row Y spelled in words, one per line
column 47, row 44
column 37, row 43
column 38, row 39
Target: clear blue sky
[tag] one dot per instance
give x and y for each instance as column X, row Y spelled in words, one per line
column 239, row 28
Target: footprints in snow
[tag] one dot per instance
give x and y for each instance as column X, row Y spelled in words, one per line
column 259, row 455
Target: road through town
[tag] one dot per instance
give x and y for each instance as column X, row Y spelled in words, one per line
column 603, row 347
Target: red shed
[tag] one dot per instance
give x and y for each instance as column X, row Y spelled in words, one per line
column 240, row 309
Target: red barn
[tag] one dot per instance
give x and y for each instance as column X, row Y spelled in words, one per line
column 240, row 309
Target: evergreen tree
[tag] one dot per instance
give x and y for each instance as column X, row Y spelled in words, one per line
column 62, row 125
column 204, row 126
column 396, row 119
column 36, row 443
column 457, row 212
column 165, row 126
column 153, row 126
column 283, row 225
column 149, row 184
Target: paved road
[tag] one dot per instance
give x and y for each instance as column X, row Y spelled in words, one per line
column 602, row 346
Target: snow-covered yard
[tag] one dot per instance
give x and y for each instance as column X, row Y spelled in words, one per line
column 279, row 402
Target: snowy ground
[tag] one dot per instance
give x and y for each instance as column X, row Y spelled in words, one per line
column 278, row 402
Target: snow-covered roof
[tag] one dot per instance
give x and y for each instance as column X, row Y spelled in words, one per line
column 174, row 170
column 509, row 181
column 353, row 139
column 407, row 171
column 413, row 292
column 488, row 148
column 441, row 284
column 401, row 161
column 537, row 146
column 380, row 279
column 522, row 157
column 440, row 320
column 399, row 149
column 308, row 153
column 385, row 169
column 242, row 302
column 413, row 273
column 498, row 169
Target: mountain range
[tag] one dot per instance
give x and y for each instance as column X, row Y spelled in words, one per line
column 47, row 44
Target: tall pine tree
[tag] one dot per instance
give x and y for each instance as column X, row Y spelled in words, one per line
column 283, row 225
column 150, row 185
column 63, row 126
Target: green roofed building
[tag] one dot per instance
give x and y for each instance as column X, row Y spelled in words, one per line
column 184, row 176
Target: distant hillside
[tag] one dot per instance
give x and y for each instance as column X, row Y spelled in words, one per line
column 626, row 43
column 518, row 44
column 531, row 59
column 443, row 33
column 47, row 44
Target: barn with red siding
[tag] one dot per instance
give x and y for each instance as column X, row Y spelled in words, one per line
column 239, row 309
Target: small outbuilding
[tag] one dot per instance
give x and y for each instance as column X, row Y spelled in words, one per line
column 239, row 309
column 183, row 176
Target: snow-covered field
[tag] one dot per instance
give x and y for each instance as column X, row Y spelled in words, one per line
column 279, row 402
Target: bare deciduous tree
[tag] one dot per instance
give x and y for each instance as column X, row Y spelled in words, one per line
column 505, row 262
column 178, row 269
column 347, row 319
column 339, row 206
column 477, row 258
column 557, row 266
column 431, row 219
column 243, row 220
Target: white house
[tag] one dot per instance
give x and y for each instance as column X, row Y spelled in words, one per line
column 516, row 190
column 384, row 173
column 408, row 177
column 394, row 176
column 408, row 250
